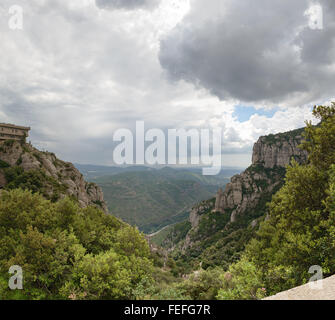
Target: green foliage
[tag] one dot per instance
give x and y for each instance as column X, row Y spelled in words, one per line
column 228, row 248
column 171, row 235
column 242, row 281
column 35, row 181
column 154, row 199
column 98, row 203
column 4, row 164
column 212, row 223
column 68, row 252
column 320, row 140
column 280, row 137
column 217, row 242
column 9, row 143
column 203, row 285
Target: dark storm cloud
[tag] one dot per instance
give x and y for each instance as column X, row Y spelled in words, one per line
column 127, row 4
column 262, row 51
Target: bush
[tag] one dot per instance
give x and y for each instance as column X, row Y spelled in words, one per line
column 68, row 252
column 4, row 164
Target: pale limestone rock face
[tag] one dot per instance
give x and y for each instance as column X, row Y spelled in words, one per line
column 218, row 200
column 279, row 152
column 254, row 223
column 29, row 158
column 195, row 218
column 50, row 168
column 29, row 162
column 197, row 212
column 270, row 153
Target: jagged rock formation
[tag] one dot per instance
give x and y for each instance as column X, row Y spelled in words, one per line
column 271, row 154
column 197, row 211
column 57, row 178
column 278, row 150
column 219, row 201
column 194, row 218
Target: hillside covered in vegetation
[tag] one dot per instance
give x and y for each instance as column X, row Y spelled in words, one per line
column 154, row 198
column 23, row 166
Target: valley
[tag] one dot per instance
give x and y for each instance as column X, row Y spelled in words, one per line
column 153, row 198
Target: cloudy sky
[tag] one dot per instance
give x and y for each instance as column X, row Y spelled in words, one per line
column 81, row 69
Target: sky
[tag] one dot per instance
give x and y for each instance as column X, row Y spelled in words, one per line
column 79, row 70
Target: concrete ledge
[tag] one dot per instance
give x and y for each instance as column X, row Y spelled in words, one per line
column 318, row 290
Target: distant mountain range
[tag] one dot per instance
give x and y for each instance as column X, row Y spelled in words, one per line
column 153, row 198
column 95, row 171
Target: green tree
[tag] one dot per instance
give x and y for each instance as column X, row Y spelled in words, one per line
column 242, row 281
column 69, row 252
column 203, row 285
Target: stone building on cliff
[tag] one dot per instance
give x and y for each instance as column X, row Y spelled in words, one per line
column 13, row 132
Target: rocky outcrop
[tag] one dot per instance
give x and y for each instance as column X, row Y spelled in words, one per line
column 197, row 211
column 195, row 216
column 271, row 154
column 244, row 191
column 278, row 150
column 68, row 178
column 219, row 200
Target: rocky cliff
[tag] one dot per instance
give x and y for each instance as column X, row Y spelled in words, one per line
column 22, row 165
column 278, row 150
column 271, row 154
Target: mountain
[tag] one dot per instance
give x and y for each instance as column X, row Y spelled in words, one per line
column 90, row 171
column 23, row 166
column 154, row 198
column 218, row 229
column 271, row 154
